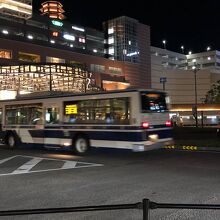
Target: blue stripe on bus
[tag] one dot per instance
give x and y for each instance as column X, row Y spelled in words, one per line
column 101, row 135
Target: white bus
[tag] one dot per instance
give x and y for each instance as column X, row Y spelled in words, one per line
column 127, row 119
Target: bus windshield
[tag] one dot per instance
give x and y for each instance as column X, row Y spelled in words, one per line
column 153, row 102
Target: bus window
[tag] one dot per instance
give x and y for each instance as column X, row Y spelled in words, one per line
column 52, row 115
column 153, row 102
column 23, row 114
column 104, row 111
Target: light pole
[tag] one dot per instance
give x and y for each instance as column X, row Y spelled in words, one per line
column 208, row 48
column 182, row 48
column 164, row 43
column 194, row 109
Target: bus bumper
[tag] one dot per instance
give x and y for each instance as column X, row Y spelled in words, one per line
column 151, row 145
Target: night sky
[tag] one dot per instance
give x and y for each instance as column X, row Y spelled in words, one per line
column 194, row 24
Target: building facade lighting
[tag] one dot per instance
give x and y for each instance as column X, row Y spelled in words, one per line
column 30, row 37
column 78, row 29
column 4, row 31
column 69, row 37
column 53, row 9
column 57, row 23
column 16, row 8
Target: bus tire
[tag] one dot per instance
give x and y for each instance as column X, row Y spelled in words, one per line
column 11, row 141
column 81, row 145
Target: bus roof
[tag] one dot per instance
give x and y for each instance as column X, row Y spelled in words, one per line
column 57, row 94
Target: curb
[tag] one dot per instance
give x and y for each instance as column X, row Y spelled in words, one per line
column 192, row 148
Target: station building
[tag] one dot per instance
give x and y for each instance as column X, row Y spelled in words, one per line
column 47, row 38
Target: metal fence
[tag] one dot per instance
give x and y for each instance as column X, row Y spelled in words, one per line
column 145, row 206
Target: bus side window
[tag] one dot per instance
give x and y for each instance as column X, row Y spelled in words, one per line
column 52, row 115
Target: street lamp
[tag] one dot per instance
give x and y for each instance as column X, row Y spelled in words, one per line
column 194, row 109
column 208, row 48
column 164, row 43
column 182, row 48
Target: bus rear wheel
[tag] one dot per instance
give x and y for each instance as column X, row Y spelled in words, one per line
column 11, row 141
column 81, row 145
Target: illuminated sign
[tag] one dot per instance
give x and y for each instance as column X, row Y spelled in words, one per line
column 70, row 109
column 57, row 23
column 69, row 37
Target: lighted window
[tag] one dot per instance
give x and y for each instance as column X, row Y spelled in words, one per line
column 5, row 54
column 27, row 57
column 54, row 60
column 82, row 40
column 110, row 30
column 97, row 68
column 111, row 50
column 55, row 34
column 111, row 40
column 115, row 70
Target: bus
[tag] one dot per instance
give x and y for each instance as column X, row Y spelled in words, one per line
column 134, row 119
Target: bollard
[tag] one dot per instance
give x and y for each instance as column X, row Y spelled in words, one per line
column 146, row 208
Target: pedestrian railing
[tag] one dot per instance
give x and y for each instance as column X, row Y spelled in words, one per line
column 145, row 205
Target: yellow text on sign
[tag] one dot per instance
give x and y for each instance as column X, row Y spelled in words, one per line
column 70, row 109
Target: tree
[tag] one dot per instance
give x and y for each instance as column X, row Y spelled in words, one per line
column 213, row 95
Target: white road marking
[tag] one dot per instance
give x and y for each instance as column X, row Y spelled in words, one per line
column 26, row 167
column 69, row 164
column 6, row 159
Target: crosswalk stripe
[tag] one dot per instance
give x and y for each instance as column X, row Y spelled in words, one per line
column 27, row 166
column 33, row 161
column 69, row 164
column 6, row 159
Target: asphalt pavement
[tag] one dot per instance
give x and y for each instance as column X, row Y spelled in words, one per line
column 31, row 179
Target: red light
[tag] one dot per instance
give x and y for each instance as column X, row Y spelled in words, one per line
column 145, row 124
column 168, row 123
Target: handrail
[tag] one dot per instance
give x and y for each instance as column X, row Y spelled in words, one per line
column 146, row 205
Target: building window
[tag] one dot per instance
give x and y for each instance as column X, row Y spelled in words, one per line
column 54, row 60
column 111, row 40
column 97, row 68
column 82, row 40
column 115, row 70
column 5, row 54
column 27, row 57
column 111, row 51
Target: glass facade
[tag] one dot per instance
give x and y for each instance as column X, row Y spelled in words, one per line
column 123, row 39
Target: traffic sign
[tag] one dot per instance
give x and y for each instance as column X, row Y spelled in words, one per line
column 163, row 79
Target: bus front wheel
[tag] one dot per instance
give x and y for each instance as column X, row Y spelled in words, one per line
column 11, row 141
column 81, row 145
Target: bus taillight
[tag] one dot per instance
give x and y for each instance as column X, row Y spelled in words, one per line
column 168, row 123
column 145, row 125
